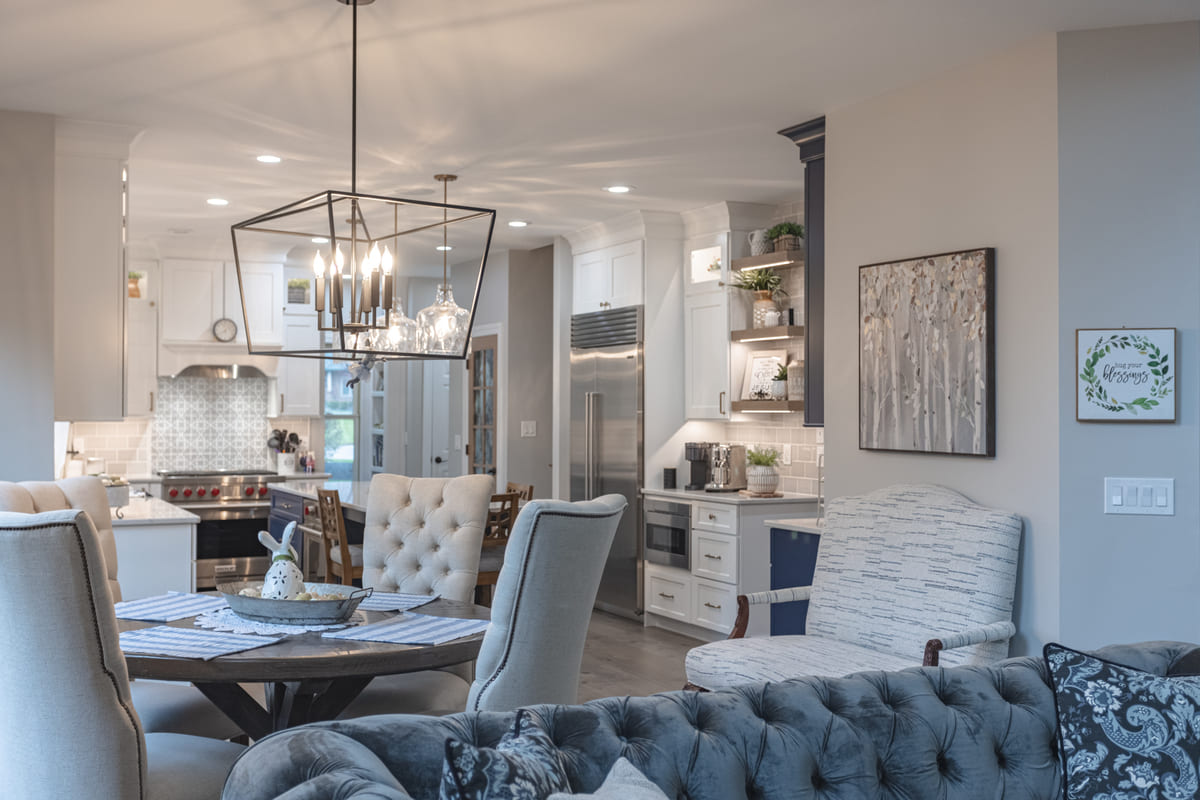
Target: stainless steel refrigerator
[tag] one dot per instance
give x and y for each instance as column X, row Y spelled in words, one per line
column 606, row 439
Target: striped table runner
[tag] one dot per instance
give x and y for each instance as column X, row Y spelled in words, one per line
column 413, row 629
column 168, row 607
column 164, row 640
column 395, row 601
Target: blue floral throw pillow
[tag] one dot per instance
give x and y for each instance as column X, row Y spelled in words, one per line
column 1124, row 734
column 524, row 766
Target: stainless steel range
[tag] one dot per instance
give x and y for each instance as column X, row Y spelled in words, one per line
column 233, row 507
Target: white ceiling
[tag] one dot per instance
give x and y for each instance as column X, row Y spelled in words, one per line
column 537, row 104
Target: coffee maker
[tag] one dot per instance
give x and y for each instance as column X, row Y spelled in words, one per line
column 697, row 455
column 727, row 468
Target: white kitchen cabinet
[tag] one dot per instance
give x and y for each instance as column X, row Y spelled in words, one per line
column 611, row 277
column 706, row 355
column 154, row 559
column 300, row 378
column 141, row 340
column 196, row 293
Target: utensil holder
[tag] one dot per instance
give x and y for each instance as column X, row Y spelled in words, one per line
column 285, row 463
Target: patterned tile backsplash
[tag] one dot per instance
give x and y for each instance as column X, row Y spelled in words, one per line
column 207, row 423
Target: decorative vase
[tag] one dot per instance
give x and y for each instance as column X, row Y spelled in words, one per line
column 795, row 380
column 760, row 245
column 778, row 390
column 764, row 305
column 134, row 288
column 761, row 479
column 784, row 243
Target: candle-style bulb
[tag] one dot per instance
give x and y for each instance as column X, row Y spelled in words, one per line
column 318, row 265
column 386, row 261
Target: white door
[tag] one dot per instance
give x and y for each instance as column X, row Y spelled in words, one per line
column 265, row 297
column 436, row 411
column 625, row 275
column 141, row 341
column 706, row 355
column 593, row 282
column 192, row 300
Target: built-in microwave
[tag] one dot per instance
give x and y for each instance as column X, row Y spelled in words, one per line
column 668, row 528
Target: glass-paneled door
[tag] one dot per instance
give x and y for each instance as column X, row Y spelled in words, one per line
column 481, row 439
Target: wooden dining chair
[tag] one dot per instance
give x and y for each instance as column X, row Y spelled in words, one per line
column 501, row 513
column 525, row 490
column 342, row 559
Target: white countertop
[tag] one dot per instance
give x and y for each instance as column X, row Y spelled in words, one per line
column 152, row 511
column 798, row 524
column 732, row 498
column 353, row 494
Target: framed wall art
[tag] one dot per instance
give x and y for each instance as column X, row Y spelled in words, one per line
column 926, row 369
column 761, row 366
column 1125, row 375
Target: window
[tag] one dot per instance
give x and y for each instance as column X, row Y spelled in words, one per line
column 340, row 420
column 482, row 435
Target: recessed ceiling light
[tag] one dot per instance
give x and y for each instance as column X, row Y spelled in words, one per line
column 517, row 223
column 319, row 240
column 619, row 188
column 444, row 247
column 268, row 159
column 218, row 201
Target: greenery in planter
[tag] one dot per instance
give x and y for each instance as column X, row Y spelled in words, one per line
column 781, row 375
column 298, row 283
column 785, row 229
column 762, row 458
column 136, row 276
column 760, row 280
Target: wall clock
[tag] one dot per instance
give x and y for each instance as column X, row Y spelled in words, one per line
column 225, row 330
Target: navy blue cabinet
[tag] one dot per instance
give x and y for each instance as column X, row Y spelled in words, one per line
column 793, row 558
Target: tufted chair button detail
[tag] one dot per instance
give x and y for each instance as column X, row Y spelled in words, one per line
column 942, row 764
column 437, row 547
column 818, row 782
column 1001, row 761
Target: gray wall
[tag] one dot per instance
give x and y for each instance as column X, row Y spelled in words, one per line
column 967, row 159
column 1129, row 210
column 27, row 272
column 530, row 369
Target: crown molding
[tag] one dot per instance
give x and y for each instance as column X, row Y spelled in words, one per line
column 726, row 216
column 77, row 137
column 625, row 228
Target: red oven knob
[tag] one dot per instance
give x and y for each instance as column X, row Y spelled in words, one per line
column 187, row 492
column 174, row 493
column 216, row 490
column 262, row 490
column 202, row 492
column 249, row 491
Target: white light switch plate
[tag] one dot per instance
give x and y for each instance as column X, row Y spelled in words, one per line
column 1144, row 496
column 785, row 454
column 528, row 428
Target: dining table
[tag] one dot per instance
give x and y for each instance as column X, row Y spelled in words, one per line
column 307, row 677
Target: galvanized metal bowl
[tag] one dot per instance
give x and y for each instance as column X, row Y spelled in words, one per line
column 295, row 612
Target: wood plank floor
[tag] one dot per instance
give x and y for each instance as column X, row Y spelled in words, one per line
column 621, row 657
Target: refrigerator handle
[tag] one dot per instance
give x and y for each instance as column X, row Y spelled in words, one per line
column 587, row 446
column 594, row 457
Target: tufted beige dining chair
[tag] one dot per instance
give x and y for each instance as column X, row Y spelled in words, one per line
column 163, row 707
column 67, row 724
column 422, row 536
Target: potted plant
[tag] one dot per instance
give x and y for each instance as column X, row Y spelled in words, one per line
column 762, row 477
column 786, row 236
column 779, row 385
column 766, row 285
column 297, row 290
column 134, row 288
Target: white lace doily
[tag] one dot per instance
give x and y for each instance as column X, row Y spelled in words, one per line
column 223, row 619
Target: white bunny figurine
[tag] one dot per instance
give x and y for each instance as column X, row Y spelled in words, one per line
column 284, row 581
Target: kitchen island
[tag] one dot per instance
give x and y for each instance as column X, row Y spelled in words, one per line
column 156, row 548
column 296, row 501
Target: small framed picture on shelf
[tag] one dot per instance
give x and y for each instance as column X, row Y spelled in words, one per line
column 761, row 368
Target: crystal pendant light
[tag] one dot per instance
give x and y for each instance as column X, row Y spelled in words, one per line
column 444, row 324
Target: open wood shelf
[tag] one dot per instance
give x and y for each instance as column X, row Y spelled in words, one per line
column 784, row 259
column 768, row 406
column 763, row 334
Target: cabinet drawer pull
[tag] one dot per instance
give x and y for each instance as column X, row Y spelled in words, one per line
column 721, row 404
column 666, row 596
column 710, row 605
column 710, row 555
column 712, row 517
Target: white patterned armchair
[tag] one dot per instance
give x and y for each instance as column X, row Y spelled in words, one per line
column 904, row 575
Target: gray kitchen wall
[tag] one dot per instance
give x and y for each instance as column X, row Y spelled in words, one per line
column 27, row 270
column 206, row 423
column 1129, row 205
column 966, row 159
column 530, row 366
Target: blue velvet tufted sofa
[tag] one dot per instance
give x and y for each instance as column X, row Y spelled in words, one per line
column 959, row 733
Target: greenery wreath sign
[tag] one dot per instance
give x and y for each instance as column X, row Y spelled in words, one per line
column 1125, row 374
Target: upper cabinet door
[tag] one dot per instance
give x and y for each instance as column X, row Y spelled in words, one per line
column 627, row 281
column 141, row 340
column 706, row 355
column 263, row 286
column 192, row 300
column 300, row 378
column 593, row 282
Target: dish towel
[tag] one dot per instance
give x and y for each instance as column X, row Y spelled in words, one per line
column 395, row 601
column 413, row 629
column 164, row 640
column 168, row 607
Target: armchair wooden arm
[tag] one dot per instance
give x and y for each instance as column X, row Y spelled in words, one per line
column 994, row 632
column 744, row 602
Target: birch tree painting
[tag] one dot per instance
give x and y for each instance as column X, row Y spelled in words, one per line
column 926, row 355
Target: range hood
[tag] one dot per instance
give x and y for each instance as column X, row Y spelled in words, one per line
column 222, row 371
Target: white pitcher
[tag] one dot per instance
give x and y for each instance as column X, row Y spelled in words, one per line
column 759, row 243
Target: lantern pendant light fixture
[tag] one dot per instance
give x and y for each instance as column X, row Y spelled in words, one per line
column 358, row 246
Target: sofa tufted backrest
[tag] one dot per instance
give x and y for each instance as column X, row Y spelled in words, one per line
column 910, row 562
column 67, row 724
column 85, row 493
column 423, row 535
column 959, row 733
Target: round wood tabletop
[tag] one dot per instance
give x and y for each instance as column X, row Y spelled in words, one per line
column 309, row 656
